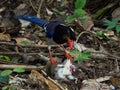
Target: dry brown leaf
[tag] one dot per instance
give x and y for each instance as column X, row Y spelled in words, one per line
column 94, row 84
column 116, row 13
column 110, row 34
column 115, row 81
column 44, row 81
column 5, row 37
column 89, row 23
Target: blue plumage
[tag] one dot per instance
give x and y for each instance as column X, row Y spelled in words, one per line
column 56, row 30
column 33, row 19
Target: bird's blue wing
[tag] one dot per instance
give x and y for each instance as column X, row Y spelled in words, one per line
column 33, row 19
column 50, row 27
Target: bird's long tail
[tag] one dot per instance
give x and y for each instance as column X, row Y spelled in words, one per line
column 33, row 19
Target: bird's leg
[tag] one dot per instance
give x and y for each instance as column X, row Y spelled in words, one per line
column 66, row 53
column 51, row 58
column 70, row 42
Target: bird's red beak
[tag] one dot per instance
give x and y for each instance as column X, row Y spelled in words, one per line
column 70, row 43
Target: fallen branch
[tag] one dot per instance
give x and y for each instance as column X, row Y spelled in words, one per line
column 39, row 8
column 46, row 80
column 105, row 54
column 40, row 46
column 26, row 67
column 15, row 53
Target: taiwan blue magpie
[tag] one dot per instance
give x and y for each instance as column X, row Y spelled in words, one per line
column 56, row 30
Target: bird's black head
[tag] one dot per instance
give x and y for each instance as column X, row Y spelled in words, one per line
column 62, row 33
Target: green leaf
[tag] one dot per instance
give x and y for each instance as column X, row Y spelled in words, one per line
column 115, row 20
column 7, row 58
column 4, row 79
column 1, row 57
column 63, row 3
column 107, row 22
column 75, row 52
column 19, row 70
column 13, row 87
column 83, row 56
column 79, row 12
column 102, row 11
column 83, row 19
column 69, row 19
column 80, row 4
column 110, row 24
column 118, row 28
column 6, row 72
column 25, row 42
column 5, row 88
column 79, row 58
column 100, row 33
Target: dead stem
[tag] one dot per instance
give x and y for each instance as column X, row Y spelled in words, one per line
column 26, row 67
column 39, row 8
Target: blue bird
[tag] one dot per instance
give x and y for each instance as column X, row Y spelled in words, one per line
column 56, row 30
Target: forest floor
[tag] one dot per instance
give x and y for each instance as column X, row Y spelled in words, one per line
column 24, row 45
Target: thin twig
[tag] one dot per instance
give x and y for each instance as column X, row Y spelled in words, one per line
column 15, row 53
column 117, row 66
column 39, row 8
column 39, row 46
column 5, row 1
column 53, row 80
column 97, row 52
column 108, row 54
column 89, row 32
column 26, row 67
column 32, row 6
column 50, row 2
